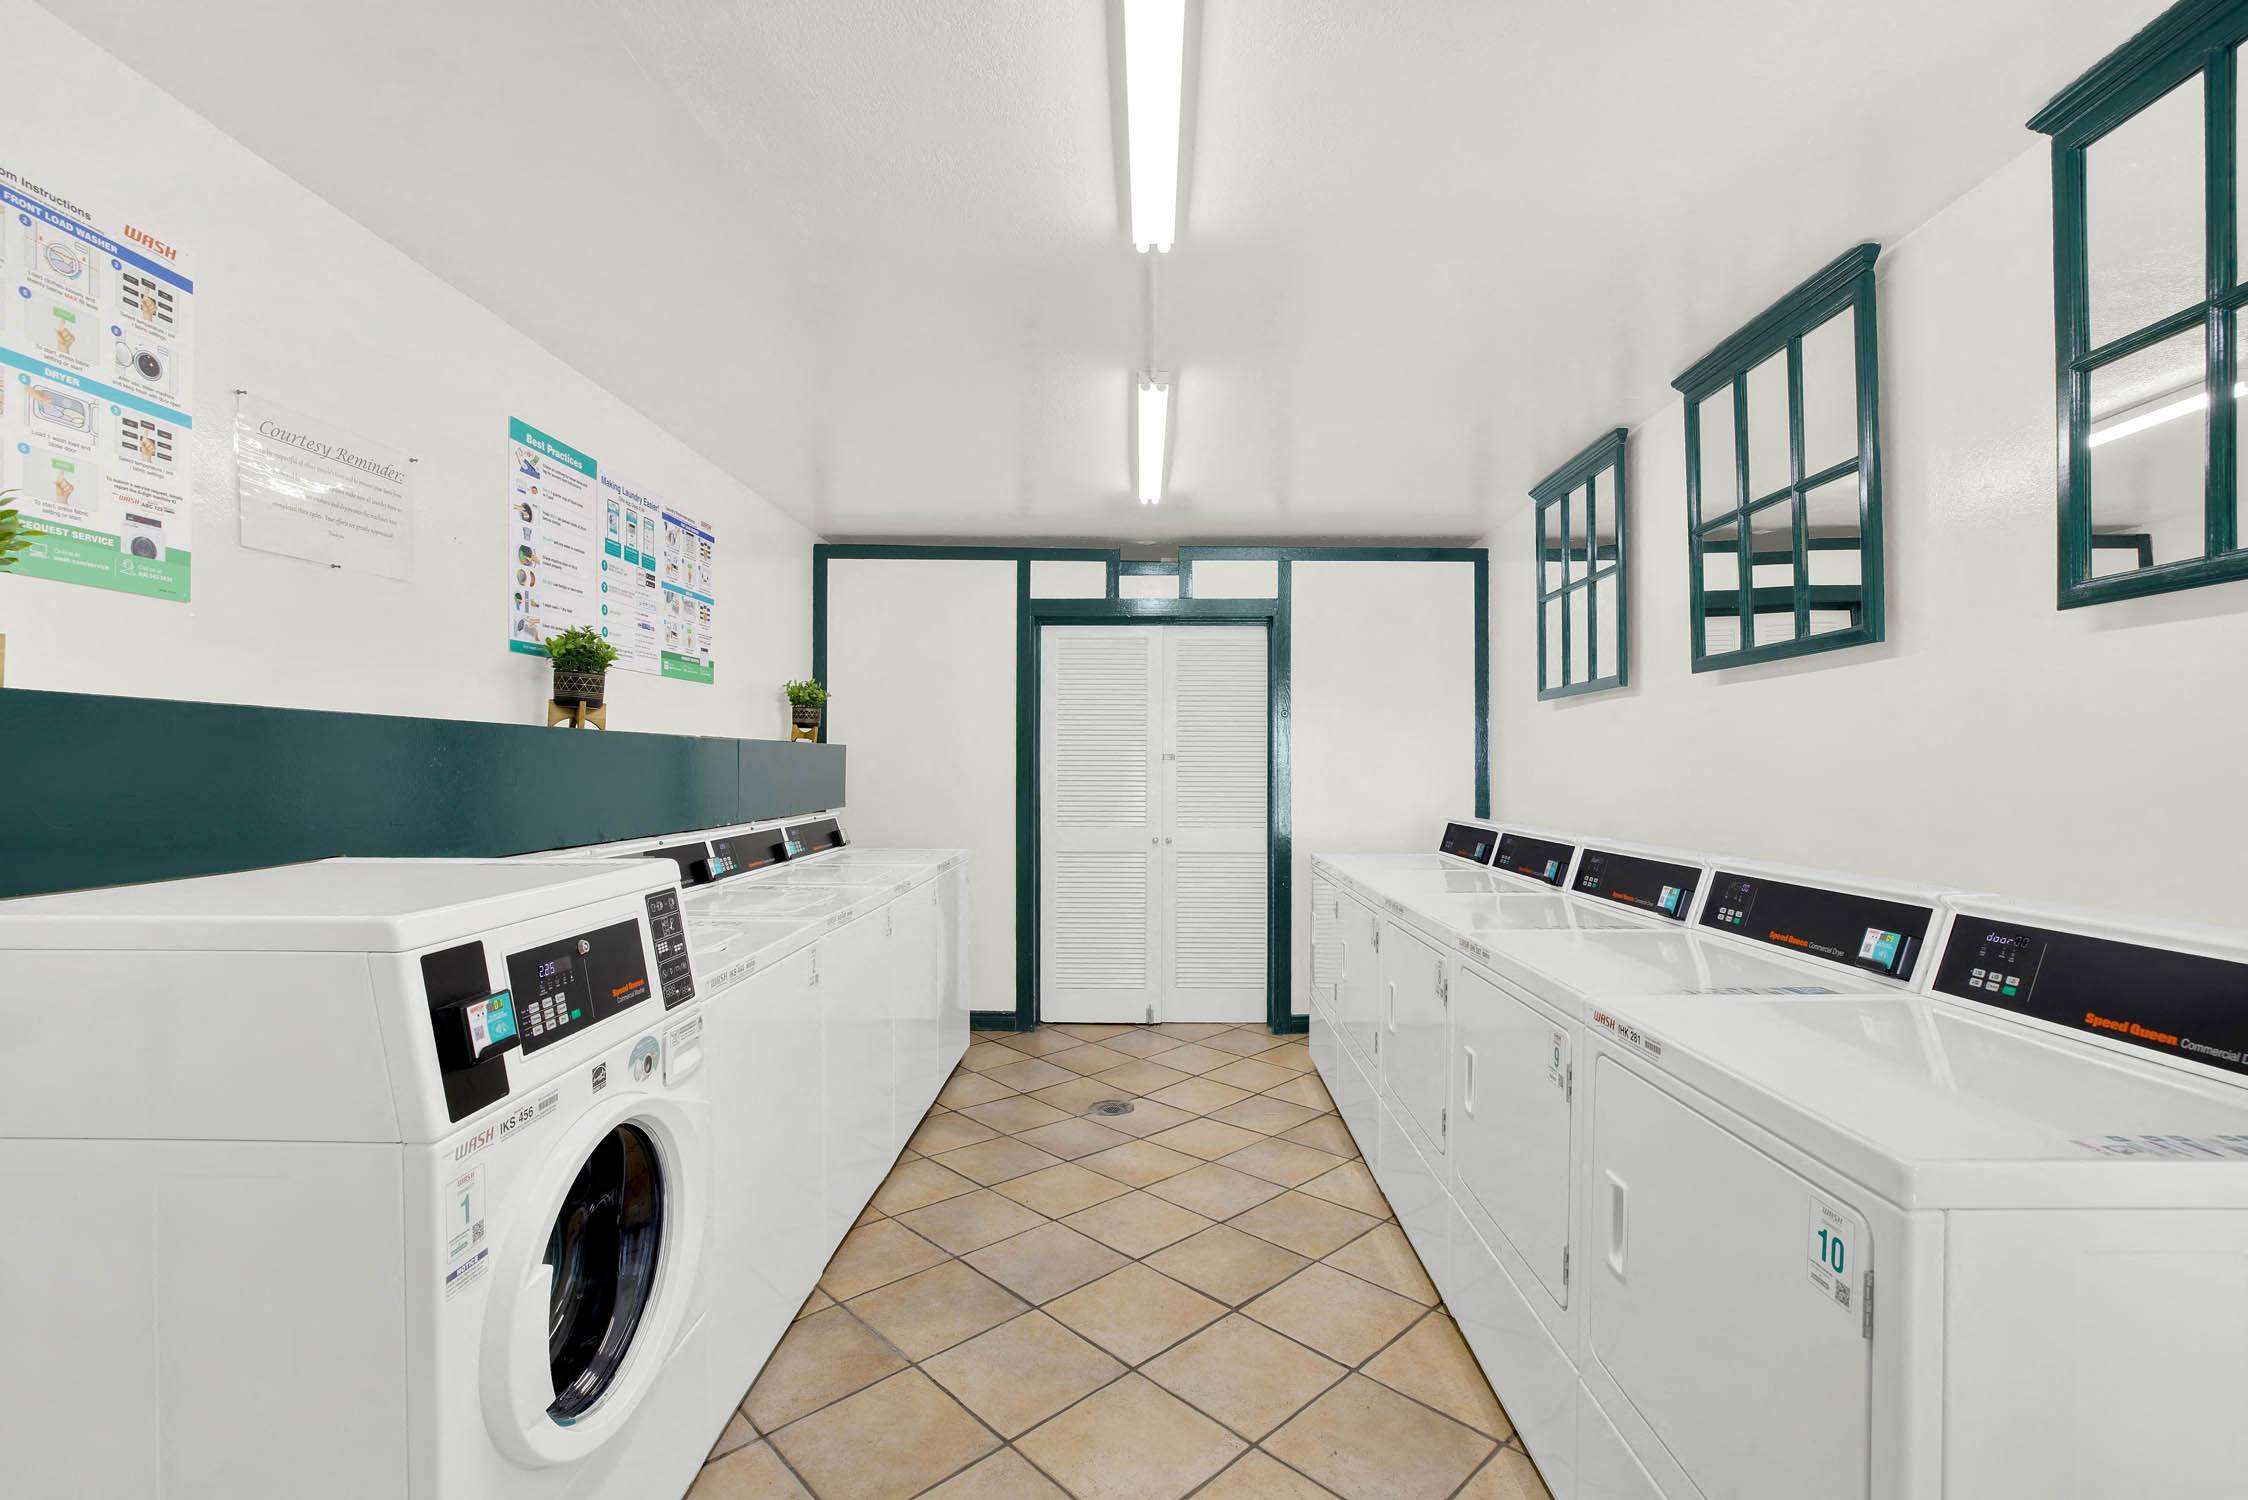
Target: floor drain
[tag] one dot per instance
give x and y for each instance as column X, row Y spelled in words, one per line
column 1111, row 1108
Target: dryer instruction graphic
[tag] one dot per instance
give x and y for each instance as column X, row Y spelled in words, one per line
column 96, row 350
column 586, row 548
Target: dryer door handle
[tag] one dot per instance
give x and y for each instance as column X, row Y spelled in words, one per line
column 1467, row 1089
column 1619, row 1222
column 1390, row 1008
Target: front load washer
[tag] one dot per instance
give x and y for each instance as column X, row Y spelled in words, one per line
column 361, row 1178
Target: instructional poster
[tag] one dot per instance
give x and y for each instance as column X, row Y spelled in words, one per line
column 96, row 348
column 586, row 548
column 310, row 490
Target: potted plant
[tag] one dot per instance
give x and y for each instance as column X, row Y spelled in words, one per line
column 805, row 701
column 581, row 665
column 14, row 535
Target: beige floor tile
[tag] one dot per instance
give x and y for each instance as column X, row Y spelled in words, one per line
column 1284, row 1162
column 1135, row 1313
column 1250, row 1074
column 970, row 1221
column 1070, row 1139
column 1137, row 1223
column 869, row 1214
column 1040, row 1264
column 1062, row 1189
column 1039, row 1043
column 1193, row 1057
column 1385, row 1257
column 1140, row 1076
column 1295, row 1057
column 964, row 1089
column 982, row 1057
column 1132, row 1441
column 738, row 1434
column 1366, row 1442
column 917, row 1183
column 944, row 1132
column 1215, row 1191
column 752, row 1473
column 1308, row 1226
column 1260, row 1476
column 997, row 1161
column 1431, row 1363
column 1078, row 1095
column 1013, row 1113
column 873, row 1255
column 1141, row 1043
column 1304, row 1089
column 1352, row 1186
column 937, row 1308
column 1027, row 1073
column 1337, row 1314
column 1208, row 1139
column 1094, row 1031
column 1147, row 1118
column 1327, row 1132
column 1227, row 1264
column 1244, row 1374
column 1264, row 1116
column 823, row 1358
column 814, row 1303
column 1088, row 1058
column 1199, row 1096
column 889, row 1441
column 1246, row 1041
column 1138, row 1163
column 1006, row 1475
column 1022, row 1372
column 1195, row 1031
column 1508, row 1476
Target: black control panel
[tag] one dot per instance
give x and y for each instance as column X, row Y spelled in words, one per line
column 2179, row 1004
column 1468, row 842
column 473, row 1025
column 1540, row 859
column 564, row 986
column 1866, row 932
column 674, row 965
column 738, row 854
column 1643, row 884
column 815, row 837
column 690, row 858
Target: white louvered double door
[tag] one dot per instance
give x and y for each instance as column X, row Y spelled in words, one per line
column 1153, row 773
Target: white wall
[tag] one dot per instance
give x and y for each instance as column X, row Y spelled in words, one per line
column 921, row 665
column 301, row 306
column 2089, row 756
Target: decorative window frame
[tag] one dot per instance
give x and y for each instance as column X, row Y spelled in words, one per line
column 1846, row 282
column 1567, row 487
column 2195, row 37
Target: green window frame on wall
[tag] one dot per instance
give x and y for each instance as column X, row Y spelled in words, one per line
column 1783, row 476
column 2149, row 308
column 1584, row 616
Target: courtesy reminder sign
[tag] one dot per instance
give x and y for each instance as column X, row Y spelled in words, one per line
column 587, row 548
column 96, row 361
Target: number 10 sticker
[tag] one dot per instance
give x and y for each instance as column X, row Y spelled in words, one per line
column 1832, row 1252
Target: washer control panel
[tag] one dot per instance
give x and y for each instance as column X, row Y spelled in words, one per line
column 1651, row 885
column 1468, row 842
column 1843, row 927
column 1540, row 859
column 564, row 986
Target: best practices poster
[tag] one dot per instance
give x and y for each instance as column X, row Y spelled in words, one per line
column 586, row 548
column 96, row 347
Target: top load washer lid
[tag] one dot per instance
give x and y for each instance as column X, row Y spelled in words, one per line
column 1933, row 1107
column 1574, row 970
column 824, row 873
column 332, row 906
column 1417, row 882
column 1479, row 916
column 1372, row 869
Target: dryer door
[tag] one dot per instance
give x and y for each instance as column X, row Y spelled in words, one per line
column 584, row 1313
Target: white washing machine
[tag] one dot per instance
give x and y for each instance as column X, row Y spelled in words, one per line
column 360, row 1178
column 1990, row 1244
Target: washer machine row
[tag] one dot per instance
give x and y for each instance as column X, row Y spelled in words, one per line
column 360, row 1178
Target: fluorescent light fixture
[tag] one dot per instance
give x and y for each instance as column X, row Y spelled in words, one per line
column 1155, row 433
column 2155, row 416
column 1154, row 81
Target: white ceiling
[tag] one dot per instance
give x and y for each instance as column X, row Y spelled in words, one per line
column 869, row 255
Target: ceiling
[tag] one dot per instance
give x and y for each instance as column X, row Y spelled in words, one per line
column 870, row 256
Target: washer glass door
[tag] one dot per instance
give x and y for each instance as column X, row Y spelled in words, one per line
column 605, row 1248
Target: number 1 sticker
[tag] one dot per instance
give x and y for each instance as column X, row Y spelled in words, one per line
column 1832, row 1252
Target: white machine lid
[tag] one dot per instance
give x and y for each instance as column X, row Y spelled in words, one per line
column 1933, row 1106
column 1483, row 915
column 1571, row 970
column 1416, row 881
column 330, row 906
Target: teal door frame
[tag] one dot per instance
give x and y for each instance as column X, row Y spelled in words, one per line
column 1036, row 615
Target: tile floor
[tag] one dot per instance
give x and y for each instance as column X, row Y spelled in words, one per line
column 1206, row 1296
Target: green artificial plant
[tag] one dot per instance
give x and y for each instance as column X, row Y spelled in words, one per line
column 14, row 535
column 805, row 694
column 580, row 649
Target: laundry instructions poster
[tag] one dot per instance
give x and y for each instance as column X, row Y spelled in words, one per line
column 96, row 359
column 586, row 547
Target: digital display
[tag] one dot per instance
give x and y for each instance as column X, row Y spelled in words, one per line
column 2179, row 1004
column 1540, row 859
column 1654, row 885
column 1865, row 932
column 564, row 986
column 1467, row 842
